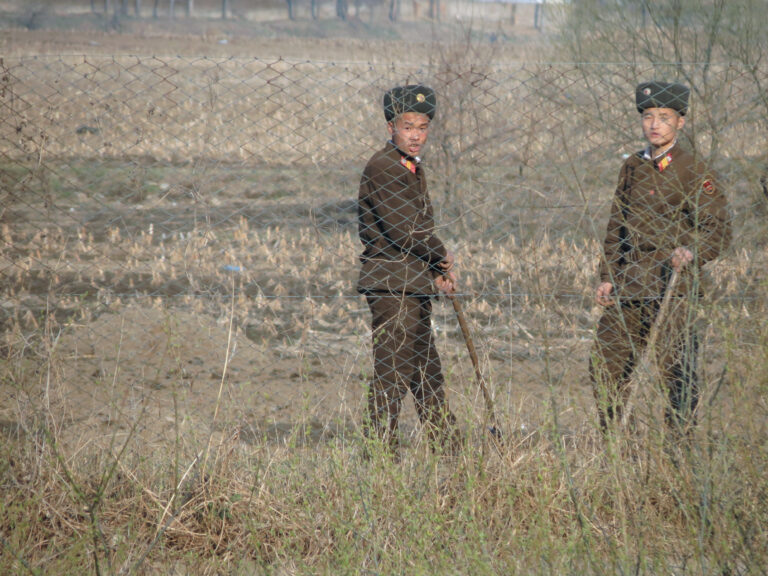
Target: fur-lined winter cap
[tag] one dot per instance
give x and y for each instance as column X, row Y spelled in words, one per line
column 410, row 98
column 656, row 94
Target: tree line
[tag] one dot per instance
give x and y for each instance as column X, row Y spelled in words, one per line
column 134, row 7
column 123, row 7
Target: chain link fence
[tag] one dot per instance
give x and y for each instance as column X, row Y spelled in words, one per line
column 180, row 247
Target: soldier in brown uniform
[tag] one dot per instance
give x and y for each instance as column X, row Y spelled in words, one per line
column 404, row 264
column 668, row 212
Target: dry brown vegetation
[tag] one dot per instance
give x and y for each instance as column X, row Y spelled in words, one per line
column 184, row 357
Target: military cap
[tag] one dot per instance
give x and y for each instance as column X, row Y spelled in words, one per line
column 662, row 95
column 410, row 98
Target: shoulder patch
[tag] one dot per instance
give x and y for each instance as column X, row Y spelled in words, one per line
column 708, row 187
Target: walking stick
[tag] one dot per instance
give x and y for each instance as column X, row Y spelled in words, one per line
column 489, row 411
column 649, row 361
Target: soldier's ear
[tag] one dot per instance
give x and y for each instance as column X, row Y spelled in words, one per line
column 391, row 127
column 680, row 122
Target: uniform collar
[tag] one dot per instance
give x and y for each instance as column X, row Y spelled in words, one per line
column 414, row 159
column 662, row 160
column 409, row 162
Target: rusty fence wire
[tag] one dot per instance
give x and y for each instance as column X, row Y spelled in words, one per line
column 179, row 232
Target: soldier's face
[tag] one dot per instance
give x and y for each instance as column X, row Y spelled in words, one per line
column 660, row 126
column 409, row 132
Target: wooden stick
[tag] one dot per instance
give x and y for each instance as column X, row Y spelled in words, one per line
column 490, row 413
column 650, row 358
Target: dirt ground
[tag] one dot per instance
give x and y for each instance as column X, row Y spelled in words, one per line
column 134, row 350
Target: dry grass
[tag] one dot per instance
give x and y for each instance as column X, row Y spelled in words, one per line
column 212, row 486
column 262, row 507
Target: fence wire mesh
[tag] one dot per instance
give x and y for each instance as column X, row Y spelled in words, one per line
column 178, row 232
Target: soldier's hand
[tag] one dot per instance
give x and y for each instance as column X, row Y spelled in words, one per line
column 447, row 263
column 447, row 283
column 604, row 297
column 681, row 257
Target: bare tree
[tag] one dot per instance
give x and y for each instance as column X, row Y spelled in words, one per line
column 342, row 9
column 718, row 48
column 224, row 9
column 683, row 40
column 189, row 8
column 434, row 9
column 394, row 10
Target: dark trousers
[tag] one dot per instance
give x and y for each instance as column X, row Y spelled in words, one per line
column 405, row 358
column 622, row 335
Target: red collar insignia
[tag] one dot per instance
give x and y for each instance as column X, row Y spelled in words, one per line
column 664, row 162
column 410, row 164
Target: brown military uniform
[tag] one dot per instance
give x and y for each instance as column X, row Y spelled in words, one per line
column 660, row 204
column 396, row 226
column 399, row 262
